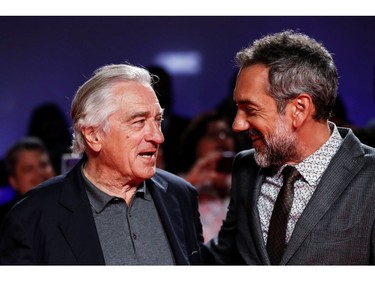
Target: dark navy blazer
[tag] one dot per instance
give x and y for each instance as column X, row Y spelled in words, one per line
column 53, row 224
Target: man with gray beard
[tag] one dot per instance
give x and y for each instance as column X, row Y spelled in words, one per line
column 305, row 193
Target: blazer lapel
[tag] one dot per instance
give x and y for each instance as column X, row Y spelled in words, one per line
column 255, row 225
column 77, row 223
column 334, row 181
column 170, row 216
column 252, row 178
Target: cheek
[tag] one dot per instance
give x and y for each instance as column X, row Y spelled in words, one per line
column 49, row 172
column 266, row 128
column 27, row 180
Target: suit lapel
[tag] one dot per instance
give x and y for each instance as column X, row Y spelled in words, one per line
column 255, row 225
column 251, row 180
column 77, row 223
column 170, row 216
column 335, row 180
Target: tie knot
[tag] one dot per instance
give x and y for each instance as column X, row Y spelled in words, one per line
column 291, row 175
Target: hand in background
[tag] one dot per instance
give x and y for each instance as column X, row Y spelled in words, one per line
column 203, row 173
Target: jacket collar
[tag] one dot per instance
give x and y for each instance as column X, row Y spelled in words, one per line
column 342, row 169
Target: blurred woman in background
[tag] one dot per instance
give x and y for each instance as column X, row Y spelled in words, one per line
column 206, row 152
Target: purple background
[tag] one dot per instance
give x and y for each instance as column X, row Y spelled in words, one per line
column 45, row 59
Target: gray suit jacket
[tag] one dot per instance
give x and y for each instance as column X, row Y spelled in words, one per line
column 336, row 227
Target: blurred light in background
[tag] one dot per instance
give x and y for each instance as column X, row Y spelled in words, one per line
column 180, row 63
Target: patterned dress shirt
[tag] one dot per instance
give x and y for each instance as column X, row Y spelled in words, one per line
column 311, row 169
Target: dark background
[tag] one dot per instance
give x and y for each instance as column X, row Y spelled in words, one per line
column 46, row 58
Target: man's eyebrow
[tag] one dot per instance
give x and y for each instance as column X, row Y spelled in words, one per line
column 244, row 102
column 138, row 114
column 143, row 114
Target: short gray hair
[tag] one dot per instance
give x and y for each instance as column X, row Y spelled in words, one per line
column 297, row 63
column 94, row 101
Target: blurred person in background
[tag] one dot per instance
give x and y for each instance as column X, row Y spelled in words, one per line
column 28, row 164
column 48, row 123
column 173, row 124
column 206, row 152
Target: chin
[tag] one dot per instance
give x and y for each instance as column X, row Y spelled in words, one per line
column 262, row 159
column 147, row 173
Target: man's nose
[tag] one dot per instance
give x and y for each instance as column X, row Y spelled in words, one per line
column 239, row 125
column 155, row 134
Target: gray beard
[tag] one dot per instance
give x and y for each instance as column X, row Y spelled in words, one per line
column 280, row 148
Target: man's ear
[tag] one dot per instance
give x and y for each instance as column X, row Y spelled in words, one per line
column 302, row 109
column 92, row 138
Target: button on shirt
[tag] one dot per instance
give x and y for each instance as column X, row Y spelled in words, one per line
column 311, row 169
column 131, row 235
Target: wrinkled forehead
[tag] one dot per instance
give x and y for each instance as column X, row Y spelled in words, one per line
column 135, row 99
column 135, row 93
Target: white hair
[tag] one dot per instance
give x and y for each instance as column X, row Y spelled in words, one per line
column 94, row 101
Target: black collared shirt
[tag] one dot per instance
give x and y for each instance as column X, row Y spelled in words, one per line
column 131, row 235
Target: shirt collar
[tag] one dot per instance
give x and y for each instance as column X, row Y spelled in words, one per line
column 99, row 199
column 313, row 167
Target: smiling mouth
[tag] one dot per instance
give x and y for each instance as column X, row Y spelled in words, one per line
column 254, row 136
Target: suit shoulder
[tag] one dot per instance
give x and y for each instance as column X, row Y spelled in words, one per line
column 351, row 145
column 43, row 194
column 246, row 153
column 49, row 186
column 369, row 156
column 369, row 150
column 166, row 178
column 170, row 177
column 245, row 156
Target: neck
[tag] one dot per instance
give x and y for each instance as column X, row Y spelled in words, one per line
column 312, row 137
column 110, row 182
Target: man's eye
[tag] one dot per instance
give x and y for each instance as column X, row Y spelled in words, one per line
column 250, row 110
column 139, row 122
